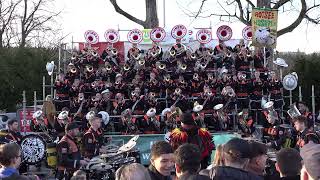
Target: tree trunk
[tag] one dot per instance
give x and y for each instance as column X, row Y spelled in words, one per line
column 264, row 3
column 152, row 20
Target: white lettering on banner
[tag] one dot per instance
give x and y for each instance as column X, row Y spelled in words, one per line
column 146, row 156
column 151, row 143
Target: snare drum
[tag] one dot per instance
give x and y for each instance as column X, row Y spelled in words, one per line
column 118, row 163
column 135, row 154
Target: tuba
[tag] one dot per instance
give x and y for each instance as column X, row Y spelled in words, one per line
column 293, row 111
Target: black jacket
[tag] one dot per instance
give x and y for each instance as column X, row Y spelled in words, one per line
column 155, row 175
column 291, row 178
column 230, row 173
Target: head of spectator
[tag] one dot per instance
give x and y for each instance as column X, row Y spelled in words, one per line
column 310, row 154
column 194, row 177
column 187, row 121
column 218, row 156
column 289, row 162
column 300, row 123
column 13, row 125
column 132, row 171
column 79, row 175
column 236, row 153
column 10, row 159
column 162, row 159
column 258, row 158
column 187, row 160
column 96, row 122
column 72, row 129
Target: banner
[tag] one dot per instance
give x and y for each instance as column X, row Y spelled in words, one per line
column 145, row 142
column 25, row 125
column 264, row 21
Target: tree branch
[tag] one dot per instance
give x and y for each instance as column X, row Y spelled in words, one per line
column 241, row 17
column 296, row 23
column 280, row 3
column 315, row 21
column 200, row 9
column 125, row 14
column 251, row 3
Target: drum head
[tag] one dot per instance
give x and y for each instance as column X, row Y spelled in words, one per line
column 33, row 149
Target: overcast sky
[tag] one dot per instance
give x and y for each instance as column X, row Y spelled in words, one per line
column 99, row 15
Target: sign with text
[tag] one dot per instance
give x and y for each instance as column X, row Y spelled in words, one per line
column 264, row 27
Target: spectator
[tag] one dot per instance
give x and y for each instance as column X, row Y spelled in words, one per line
column 289, row 164
column 79, row 175
column 236, row 153
column 258, row 158
column 162, row 161
column 218, row 161
column 188, row 162
column 10, row 159
column 132, row 171
column 13, row 131
column 310, row 154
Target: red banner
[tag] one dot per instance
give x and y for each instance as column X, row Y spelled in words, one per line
column 103, row 45
column 25, row 126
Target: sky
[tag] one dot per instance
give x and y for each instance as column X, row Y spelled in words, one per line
column 99, row 15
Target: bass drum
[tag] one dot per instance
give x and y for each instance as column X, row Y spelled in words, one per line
column 33, row 149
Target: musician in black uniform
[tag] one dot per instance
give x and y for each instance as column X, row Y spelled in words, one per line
column 93, row 139
column 68, row 153
column 304, row 110
column 304, row 134
column 257, row 86
column 275, row 86
column 62, row 87
column 242, row 90
column 13, row 131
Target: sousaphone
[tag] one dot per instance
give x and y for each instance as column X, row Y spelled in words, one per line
column 290, row 81
column 224, row 33
column 91, row 37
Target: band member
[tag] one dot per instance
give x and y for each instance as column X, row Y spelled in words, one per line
column 257, row 86
column 119, row 104
column 136, row 101
column 171, row 118
column 242, row 88
column 275, row 89
column 272, row 131
column 73, row 73
column 245, row 122
column 220, row 120
column 198, row 115
column 106, row 103
column 119, row 84
column 128, row 123
column 150, row 124
column 68, row 154
column 39, row 123
column 242, row 61
column 62, row 87
column 196, row 85
column 191, row 133
column 93, row 138
column 49, row 110
column 13, row 131
column 150, row 101
column 304, row 110
column 304, row 135
column 61, row 123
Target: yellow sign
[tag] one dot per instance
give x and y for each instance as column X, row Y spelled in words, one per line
column 264, row 27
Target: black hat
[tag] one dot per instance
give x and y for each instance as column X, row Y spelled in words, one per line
column 237, row 147
column 71, row 126
column 187, row 118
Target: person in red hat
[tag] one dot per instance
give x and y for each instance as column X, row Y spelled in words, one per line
column 189, row 132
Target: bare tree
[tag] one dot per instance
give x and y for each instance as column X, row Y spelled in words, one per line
column 36, row 16
column 151, row 20
column 7, row 15
column 308, row 10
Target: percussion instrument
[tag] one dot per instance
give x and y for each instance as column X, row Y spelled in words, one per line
column 52, row 155
column 33, row 149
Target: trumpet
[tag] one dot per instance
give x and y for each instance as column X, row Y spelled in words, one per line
column 203, row 65
column 182, row 66
column 94, row 54
column 228, row 91
column 126, row 67
column 177, row 91
column 137, row 56
column 249, row 54
column 193, row 56
column 133, row 93
column 167, row 78
column 210, row 52
column 172, row 52
column 114, row 51
column 73, row 70
column 89, row 68
column 73, row 57
column 141, row 62
column 117, row 82
column 93, row 84
column 108, row 67
column 195, row 76
column 162, row 66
